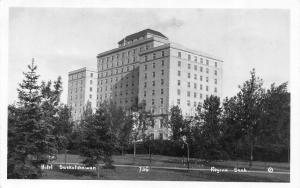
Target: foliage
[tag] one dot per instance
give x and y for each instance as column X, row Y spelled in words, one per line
column 206, row 136
column 177, row 124
column 30, row 128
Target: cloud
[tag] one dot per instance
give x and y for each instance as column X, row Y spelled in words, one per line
column 172, row 23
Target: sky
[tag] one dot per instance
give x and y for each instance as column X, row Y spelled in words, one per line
column 65, row 39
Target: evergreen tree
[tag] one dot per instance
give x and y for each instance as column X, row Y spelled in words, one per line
column 30, row 135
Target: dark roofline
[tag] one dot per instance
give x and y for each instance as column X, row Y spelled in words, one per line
column 141, row 33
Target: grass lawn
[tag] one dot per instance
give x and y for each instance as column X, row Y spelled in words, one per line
column 132, row 172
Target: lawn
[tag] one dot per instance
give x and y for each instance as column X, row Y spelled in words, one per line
column 173, row 169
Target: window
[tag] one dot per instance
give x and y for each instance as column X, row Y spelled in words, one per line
column 216, row 81
column 195, row 104
column 207, row 62
column 189, row 66
column 179, row 54
column 161, row 101
column 178, row 73
column 206, row 88
column 91, row 74
column 145, row 75
column 189, row 75
column 153, row 92
column 188, row 93
column 90, row 96
column 200, row 86
column 178, row 82
column 216, row 64
column 145, row 84
column 195, row 94
column 162, row 81
column 207, row 70
column 201, row 69
column 162, row 72
column 195, row 67
column 146, row 58
column 179, row 63
column 162, row 63
column 216, row 72
column 206, row 79
column 162, row 53
column 154, row 55
column 153, row 74
column 153, row 65
column 195, row 86
column 91, row 89
column 162, row 91
column 215, row 90
column 153, row 83
column 178, row 92
column 189, row 57
column 189, row 84
column 200, row 95
column 153, row 102
column 178, row 101
column 195, row 76
column 189, row 103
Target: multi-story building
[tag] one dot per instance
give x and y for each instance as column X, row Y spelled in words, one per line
column 82, row 87
column 118, row 69
column 147, row 69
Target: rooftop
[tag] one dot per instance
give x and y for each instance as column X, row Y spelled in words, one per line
column 141, row 34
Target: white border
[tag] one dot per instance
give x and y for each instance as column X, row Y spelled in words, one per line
column 292, row 5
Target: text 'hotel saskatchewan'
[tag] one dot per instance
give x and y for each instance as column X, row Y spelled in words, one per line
column 147, row 69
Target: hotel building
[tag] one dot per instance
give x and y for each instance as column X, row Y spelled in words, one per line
column 82, row 87
column 148, row 69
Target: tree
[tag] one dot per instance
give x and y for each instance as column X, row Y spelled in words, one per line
column 249, row 101
column 98, row 139
column 208, row 132
column 63, row 127
column 233, row 134
column 176, row 123
column 275, row 127
column 30, row 134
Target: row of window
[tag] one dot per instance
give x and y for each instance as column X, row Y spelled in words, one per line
column 81, row 82
column 195, row 93
column 195, row 84
column 115, row 86
column 189, row 58
column 195, row 75
column 126, row 100
column 153, row 83
column 154, row 55
column 124, row 54
column 118, row 63
column 162, row 63
column 153, row 92
column 179, row 64
column 188, row 103
column 105, row 96
column 71, row 97
column 162, row 72
column 79, row 75
column 116, row 71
